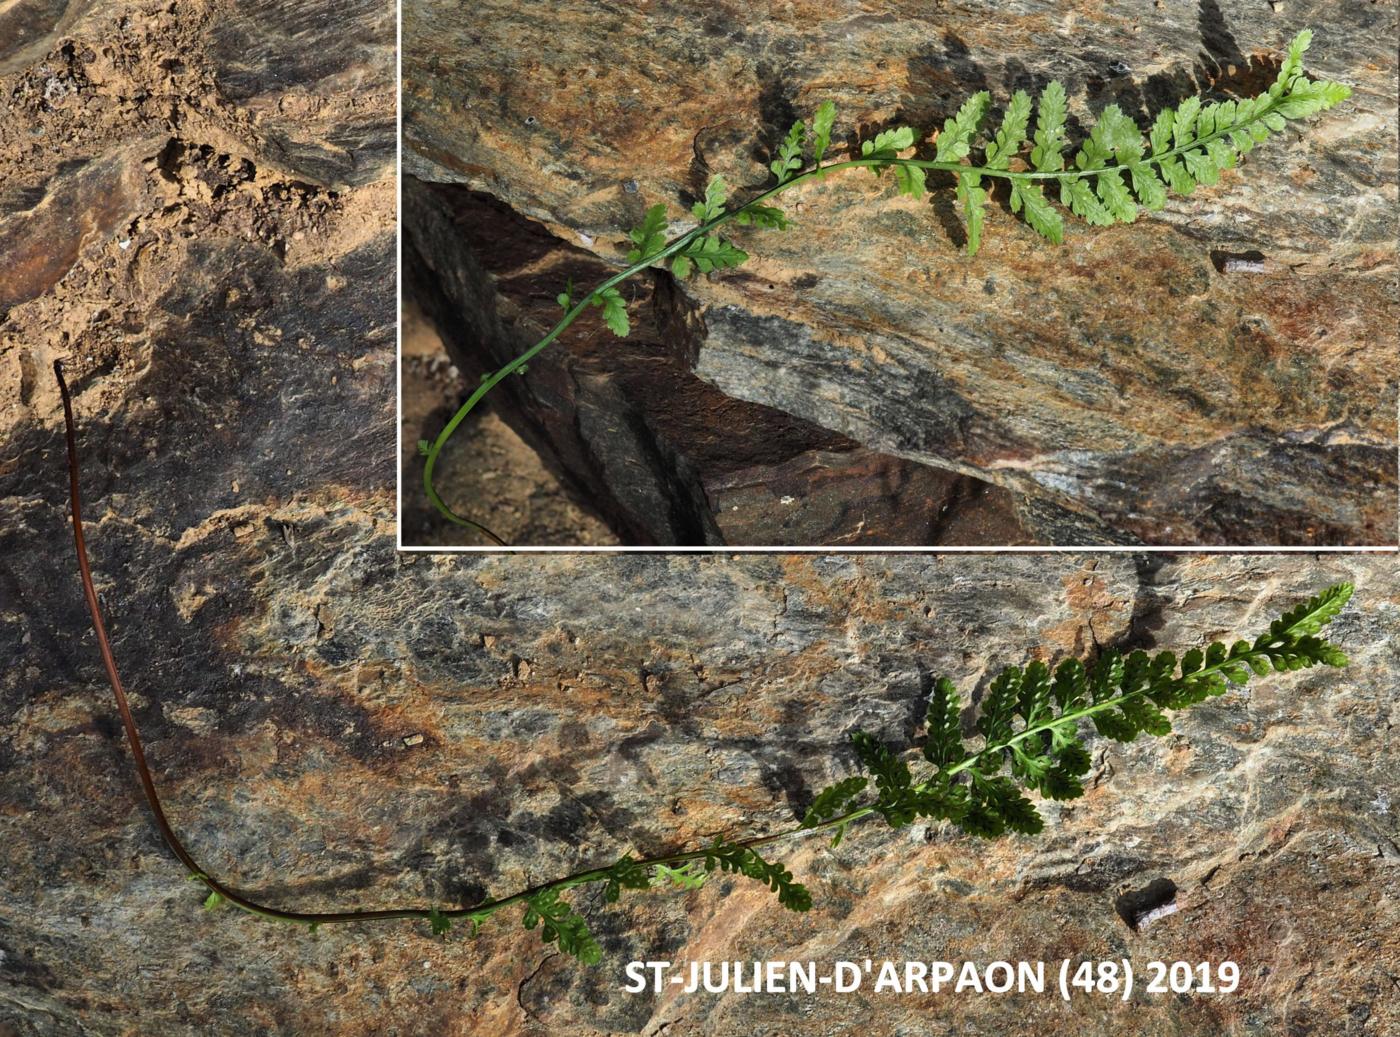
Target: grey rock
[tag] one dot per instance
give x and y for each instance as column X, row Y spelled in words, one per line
column 1124, row 377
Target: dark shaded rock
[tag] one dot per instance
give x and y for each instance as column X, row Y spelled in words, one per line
column 1140, row 907
column 29, row 27
column 860, row 498
column 659, row 454
column 1122, row 376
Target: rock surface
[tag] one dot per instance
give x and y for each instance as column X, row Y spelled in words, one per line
column 332, row 722
column 657, row 453
column 197, row 216
column 1127, row 376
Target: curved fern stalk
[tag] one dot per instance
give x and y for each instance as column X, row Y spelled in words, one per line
column 1029, row 737
column 1115, row 173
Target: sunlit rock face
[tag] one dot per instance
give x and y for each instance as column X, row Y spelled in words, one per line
column 1220, row 372
column 335, row 723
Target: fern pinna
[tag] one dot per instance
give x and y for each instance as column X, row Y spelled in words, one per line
column 1115, row 173
column 1029, row 739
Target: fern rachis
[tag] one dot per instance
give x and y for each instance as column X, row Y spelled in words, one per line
column 1116, row 171
column 1030, row 738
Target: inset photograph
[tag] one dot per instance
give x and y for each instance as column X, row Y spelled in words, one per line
column 787, row 276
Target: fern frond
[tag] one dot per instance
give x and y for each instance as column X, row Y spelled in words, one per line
column 1012, row 134
column 819, row 134
column 744, row 860
column 649, row 238
column 892, row 775
column 685, row 877
column 833, row 800
column 943, row 722
column 711, row 252
column 1051, row 110
column 1116, row 173
column 1031, row 725
column 626, row 873
column 789, row 159
column 712, row 205
column 955, row 139
column 614, row 311
column 755, row 215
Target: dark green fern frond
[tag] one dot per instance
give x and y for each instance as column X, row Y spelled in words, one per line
column 1032, row 725
column 745, row 860
column 559, row 924
column 1031, row 740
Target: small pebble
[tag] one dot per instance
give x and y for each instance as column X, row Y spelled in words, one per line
column 411, row 740
column 1156, row 914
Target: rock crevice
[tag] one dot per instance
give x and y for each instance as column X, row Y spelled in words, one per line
column 1131, row 380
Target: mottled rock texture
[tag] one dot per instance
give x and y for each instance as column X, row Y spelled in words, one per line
column 197, row 216
column 333, row 722
column 1127, row 377
column 660, row 455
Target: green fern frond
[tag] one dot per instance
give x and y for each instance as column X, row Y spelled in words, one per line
column 1117, row 172
column 561, row 925
column 627, row 873
column 745, row 860
column 1050, row 141
column 614, row 311
column 755, row 215
column 439, row 923
column 687, row 876
column 711, row 252
column 789, row 159
column 1031, row 724
column 712, row 205
column 649, row 238
column 1030, row 740
column 833, row 800
column 943, row 722
column 820, row 132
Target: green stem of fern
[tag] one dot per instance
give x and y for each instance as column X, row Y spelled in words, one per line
column 680, row 242
column 484, row 910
